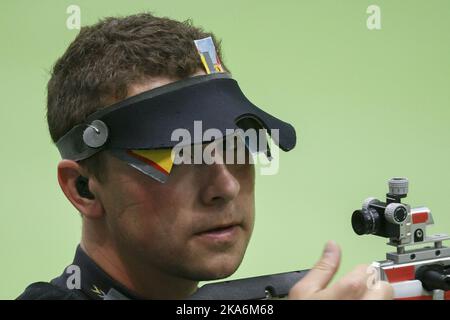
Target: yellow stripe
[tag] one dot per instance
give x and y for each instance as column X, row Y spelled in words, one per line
column 202, row 57
column 162, row 157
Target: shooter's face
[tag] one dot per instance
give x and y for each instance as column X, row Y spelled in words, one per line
column 165, row 225
column 173, row 226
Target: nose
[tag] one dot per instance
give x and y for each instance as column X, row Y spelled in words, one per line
column 221, row 187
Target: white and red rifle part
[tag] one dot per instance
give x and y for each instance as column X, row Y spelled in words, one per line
column 420, row 273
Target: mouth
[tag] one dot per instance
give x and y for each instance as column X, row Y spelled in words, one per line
column 225, row 233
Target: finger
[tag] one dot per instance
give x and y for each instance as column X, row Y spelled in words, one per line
column 381, row 291
column 352, row 286
column 320, row 275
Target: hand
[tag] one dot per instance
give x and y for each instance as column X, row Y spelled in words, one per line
column 353, row 286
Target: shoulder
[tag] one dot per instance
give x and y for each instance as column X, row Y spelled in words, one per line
column 48, row 291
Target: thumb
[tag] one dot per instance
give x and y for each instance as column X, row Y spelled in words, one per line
column 322, row 272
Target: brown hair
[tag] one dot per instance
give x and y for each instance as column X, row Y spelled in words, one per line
column 106, row 58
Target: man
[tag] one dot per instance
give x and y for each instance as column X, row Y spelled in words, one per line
column 151, row 228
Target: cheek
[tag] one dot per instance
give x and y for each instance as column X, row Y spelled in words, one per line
column 245, row 175
column 246, row 178
column 153, row 218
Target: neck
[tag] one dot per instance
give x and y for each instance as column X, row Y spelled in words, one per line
column 144, row 280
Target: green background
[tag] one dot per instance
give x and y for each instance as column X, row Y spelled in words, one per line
column 368, row 105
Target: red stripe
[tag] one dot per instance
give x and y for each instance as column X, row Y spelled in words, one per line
column 420, row 217
column 400, row 274
column 148, row 161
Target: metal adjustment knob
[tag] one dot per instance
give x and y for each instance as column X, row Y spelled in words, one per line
column 96, row 134
column 398, row 186
column 396, row 213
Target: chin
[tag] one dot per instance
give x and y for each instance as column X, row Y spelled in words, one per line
column 217, row 268
column 212, row 275
column 214, row 263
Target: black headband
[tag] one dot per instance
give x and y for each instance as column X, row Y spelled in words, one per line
column 147, row 120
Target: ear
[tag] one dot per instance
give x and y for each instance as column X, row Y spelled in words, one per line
column 68, row 172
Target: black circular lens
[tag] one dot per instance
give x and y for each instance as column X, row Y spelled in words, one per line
column 400, row 214
column 365, row 221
